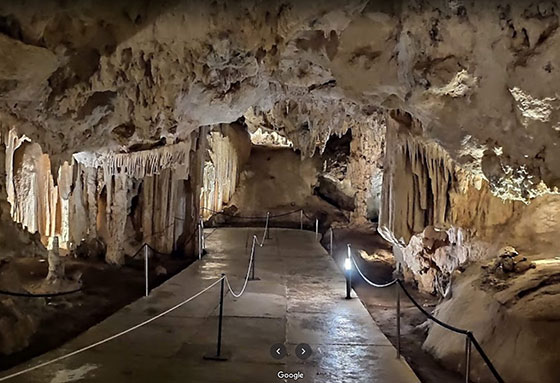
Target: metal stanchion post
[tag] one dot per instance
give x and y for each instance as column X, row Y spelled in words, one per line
column 219, row 355
column 146, row 267
column 266, row 226
column 398, row 287
column 253, row 268
column 467, row 358
column 330, row 246
column 316, row 229
column 348, row 273
column 174, row 232
column 254, row 254
column 301, row 219
column 202, row 234
column 199, row 242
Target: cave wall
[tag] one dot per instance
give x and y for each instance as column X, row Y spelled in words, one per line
column 452, row 236
column 437, row 215
column 228, row 150
column 276, row 180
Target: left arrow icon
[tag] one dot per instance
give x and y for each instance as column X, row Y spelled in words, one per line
column 278, row 351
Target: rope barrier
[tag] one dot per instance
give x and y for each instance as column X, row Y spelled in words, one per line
column 237, row 295
column 251, row 217
column 447, row 326
column 224, row 277
column 456, row 330
column 428, row 315
column 379, row 286
column 251, row 260
column 111, row 337
column 45, row 295
column 485, row 357
column 305, row 214
column 156, row 233
column 189, row 240
column 261, row 243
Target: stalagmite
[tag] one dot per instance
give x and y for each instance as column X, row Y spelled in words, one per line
column 56, row 265
column 117, row 213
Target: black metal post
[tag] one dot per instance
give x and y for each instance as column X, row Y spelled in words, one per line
column 467, row 358
column 254, row 258
column 398, row 287
column 174, row 233
column 219, row 355
column 220, row 319
column 348, row 283
column 253, row 265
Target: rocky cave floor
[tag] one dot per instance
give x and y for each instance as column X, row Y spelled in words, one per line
column 381, row 304
column 105, row 290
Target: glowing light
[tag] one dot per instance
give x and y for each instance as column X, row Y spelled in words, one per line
column 347, row 264
column 555, row 261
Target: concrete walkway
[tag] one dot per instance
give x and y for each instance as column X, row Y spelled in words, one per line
column 298, row 299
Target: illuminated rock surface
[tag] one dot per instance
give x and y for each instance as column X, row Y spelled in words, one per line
column 124, row 122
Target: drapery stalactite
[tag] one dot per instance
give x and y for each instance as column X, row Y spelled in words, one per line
column 93, row 197
column 417, row 180
column 432, row 210
column 229, row 147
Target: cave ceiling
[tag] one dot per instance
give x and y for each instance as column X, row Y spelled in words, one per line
column 479, row 78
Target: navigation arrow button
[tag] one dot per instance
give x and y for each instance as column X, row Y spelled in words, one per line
column 278, row 351
column 303, row 351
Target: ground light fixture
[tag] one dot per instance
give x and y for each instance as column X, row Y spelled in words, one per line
column 348, row 272
column 347, row 264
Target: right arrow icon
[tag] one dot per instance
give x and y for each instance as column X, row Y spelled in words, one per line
column 303, row 351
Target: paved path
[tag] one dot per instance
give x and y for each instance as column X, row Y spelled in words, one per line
column 298, row 299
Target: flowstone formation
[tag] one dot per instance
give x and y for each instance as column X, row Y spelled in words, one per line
column 116, row 198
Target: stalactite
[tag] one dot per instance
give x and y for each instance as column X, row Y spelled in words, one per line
column 148, row 206
column 228, row 151
column 91, row 191
column 427, row 195
column 78, row 211
column 138, row 164
column 117, row 214
column 96, row 197
column 417, row 181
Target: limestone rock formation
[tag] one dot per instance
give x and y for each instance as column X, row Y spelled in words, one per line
column 477, row 76
column 120, row 120
column 56, row 266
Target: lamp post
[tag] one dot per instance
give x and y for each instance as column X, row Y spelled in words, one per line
column 348, row 273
